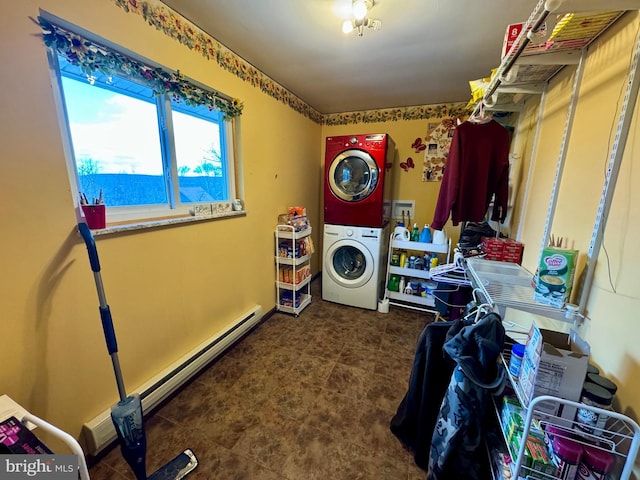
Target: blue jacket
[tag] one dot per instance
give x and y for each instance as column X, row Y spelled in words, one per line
column 457, row 436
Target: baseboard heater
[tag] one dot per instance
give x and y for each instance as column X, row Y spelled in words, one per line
column 99, row 432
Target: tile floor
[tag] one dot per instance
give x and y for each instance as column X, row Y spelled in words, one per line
column 298, row 398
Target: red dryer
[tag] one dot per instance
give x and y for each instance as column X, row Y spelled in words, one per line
column 357, row 180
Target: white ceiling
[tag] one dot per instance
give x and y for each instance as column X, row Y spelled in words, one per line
column 425, row 52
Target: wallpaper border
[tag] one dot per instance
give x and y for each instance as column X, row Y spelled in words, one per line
column 188, row 34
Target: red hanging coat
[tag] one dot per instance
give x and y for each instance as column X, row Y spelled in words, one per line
column 477, row 168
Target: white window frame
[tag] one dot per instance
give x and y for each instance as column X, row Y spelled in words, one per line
column 173, row 209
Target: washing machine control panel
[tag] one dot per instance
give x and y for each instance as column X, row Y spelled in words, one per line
column 348, row 232
column 371, row 141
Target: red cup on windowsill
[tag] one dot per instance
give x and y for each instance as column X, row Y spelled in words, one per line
column 95, row 216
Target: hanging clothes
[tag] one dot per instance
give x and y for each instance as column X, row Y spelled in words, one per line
column 457, row 436
column 418, row 411
column 477, row 169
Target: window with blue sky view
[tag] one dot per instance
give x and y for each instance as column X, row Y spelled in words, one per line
column 141, row 149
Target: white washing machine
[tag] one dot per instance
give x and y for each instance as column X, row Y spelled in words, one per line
column 354, row 265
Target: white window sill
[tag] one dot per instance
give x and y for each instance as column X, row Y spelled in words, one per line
column 163, row 222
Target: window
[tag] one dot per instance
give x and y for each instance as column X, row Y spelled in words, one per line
column 147, row 152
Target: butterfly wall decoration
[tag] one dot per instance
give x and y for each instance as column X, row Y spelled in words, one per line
column 418, row 146
column 406, row 165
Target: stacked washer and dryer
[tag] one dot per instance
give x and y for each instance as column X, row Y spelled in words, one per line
column 357, row 212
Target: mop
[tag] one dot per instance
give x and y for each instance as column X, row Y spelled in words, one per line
column 127, row 413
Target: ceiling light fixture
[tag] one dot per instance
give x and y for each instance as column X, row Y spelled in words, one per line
column 360, row 20
column 360, row 9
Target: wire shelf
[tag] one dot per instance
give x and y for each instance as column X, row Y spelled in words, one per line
column 509, row 285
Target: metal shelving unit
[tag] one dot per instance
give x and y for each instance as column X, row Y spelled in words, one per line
column 509, row 285
column 620, row 437
column 532, row 61
column 554, row 36
column 557, row 34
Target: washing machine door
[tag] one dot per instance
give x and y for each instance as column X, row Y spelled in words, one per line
column 349, row 263
column 353, row 175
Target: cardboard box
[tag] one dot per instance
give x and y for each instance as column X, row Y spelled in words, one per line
column 511, row 35
column 15, row 436
column 286, row 274
column 291, row 299
column 554, row 363
column 554, row 280
column 502, row 249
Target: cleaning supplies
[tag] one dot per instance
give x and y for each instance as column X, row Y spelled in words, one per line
column 415, row 233
column 126, row 415
column 127, row 418
column 425, row 234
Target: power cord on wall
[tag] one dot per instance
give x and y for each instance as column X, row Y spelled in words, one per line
column 620, row 96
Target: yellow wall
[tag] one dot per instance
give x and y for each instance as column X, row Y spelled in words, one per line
column 611, row 327
column 169, row 288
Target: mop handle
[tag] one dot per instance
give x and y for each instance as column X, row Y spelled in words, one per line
column 105, row 311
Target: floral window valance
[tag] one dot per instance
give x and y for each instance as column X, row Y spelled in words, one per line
column 91, row 57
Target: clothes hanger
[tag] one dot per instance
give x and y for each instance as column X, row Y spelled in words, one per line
column 450, row 273
column 482, row 309
column 474, row 294
column 481, row 116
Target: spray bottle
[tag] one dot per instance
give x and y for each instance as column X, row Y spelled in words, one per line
column 127, row 418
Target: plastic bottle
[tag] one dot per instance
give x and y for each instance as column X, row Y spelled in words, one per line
column 517, row 352
column 425, row 234
column 595, row 464
column 394, row 282
column 401, row 285
column 591, row 368
column 403, row 259
column 588, row 420
column 602, row 381
column 550, row 433
column 419, row 263
column 415, row 233
column 566, row 455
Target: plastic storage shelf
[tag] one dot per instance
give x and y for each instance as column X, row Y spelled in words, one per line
column 292, row 297
column 400, row 299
